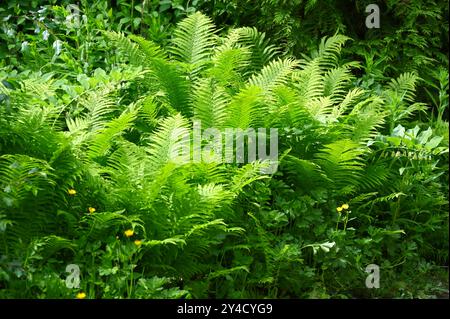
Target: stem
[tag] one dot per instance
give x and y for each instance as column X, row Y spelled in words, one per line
column 132, row 11
column 396, row 212
column 346, row 220
column 339, row 219
column 131, row 279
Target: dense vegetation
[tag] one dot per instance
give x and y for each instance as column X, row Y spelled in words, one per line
column 94, row 96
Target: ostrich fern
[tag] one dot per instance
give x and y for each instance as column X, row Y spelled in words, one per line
column 196, row 223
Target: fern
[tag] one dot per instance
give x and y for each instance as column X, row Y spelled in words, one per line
column 101, row 142
column 342, row 162
column 336, row 82
column 210, row 104
column 404, row 86
column 244, row 107
column 399, row 93
column 193, row 41
column 45, row 247
column 134, row 53
column 329, row 50
column 350, row 98
column 164, row 76
column 309, row 81
column 100, row 224
column 262, row 51
column 274, row 74
column 173, row 85
column 167, row 142
column 229, row 65
column 99, row 105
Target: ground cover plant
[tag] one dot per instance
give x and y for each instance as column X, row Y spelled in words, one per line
column 97, row 101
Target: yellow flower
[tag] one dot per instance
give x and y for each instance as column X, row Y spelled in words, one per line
column 138, row 242
column 339, row 209
column 129, row 232
column 345, row 206
column 91, row 210
column 80, row 295
column 72, row 191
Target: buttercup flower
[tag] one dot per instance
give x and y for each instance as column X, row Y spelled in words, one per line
column 345, row 206
column 339, row 209
column 80, row 295
column 72, row 191
column 91, row 210
column 129, row 232
column 138, row 242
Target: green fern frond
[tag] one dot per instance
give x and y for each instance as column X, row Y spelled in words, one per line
column 246, row 175
column 336, row 82
column 111, row 223
column 309, row 81
column 382, row 199
column 164, row 76
column 408, row 111
column 262, row 51
column 131, row 49
column 149, row 49
column 244, row 107
column 404, row 86
column 214, row 197
column 228, row 66
column 166, row 143
column 199, row 229
column 366, row 126
column 148, row 110
column 193, row 41
column 102, row 141
column 274, row 74
column 374, row 176
column 209, row 104
column 329, row 50
column 227, row 272
column 45, row 247
column 299, row 115
column 366, row 119
column 126, row 165
column 168, row 241
column 99, row 105
column 320, row 109
column 350, row 98
column 342, row 162
column 38, row 87
column 303, row 173
column 169, row 80
column 22, row 176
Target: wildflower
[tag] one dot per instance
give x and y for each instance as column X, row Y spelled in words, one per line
column 138, row 242
column 91, row 210
column 80, row 295
column 129, row 232
column 345, row 206
column 72, row 191
column 339, row 209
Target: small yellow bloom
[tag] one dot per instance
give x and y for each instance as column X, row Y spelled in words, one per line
column 339, row 209
column 72, row 191
column 129, row 232
column 138, row 242
column 345, row 206
column 81, row 295
column 91, row 210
